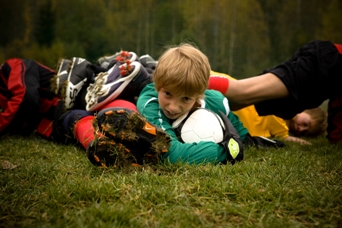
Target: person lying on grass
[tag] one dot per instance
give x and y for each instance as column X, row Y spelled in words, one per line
column 312, row 75
column 118, row 135
column 310, row 122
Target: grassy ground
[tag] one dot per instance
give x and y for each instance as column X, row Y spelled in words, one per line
column 43, row 184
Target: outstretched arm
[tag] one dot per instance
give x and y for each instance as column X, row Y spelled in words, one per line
column 245, row 92
column 295, row 139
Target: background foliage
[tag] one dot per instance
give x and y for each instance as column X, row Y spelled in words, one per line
column 240, row 38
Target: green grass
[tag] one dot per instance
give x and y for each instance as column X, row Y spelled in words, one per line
column 56, row 186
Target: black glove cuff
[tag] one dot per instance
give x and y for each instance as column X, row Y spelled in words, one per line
column 231, row 141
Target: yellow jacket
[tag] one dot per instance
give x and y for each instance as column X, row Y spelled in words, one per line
column 267, row 126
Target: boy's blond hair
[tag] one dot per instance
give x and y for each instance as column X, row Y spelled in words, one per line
column 184, row 70
column 319, row 122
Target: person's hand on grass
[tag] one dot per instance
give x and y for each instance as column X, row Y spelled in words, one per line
column 295, row 139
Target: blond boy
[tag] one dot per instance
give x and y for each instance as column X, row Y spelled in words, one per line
column 180, row 85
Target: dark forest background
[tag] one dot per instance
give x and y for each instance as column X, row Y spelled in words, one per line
column 240, row 37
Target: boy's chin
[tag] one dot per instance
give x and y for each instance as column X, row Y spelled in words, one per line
column 172, row 117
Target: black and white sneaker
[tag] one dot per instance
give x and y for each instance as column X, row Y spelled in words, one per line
column 78, row 74
column 148, row 62
column 121, row 82
column 61, row 76
column 105, row 60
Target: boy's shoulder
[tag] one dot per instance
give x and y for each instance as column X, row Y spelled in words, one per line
column 214, row 100
column 209, row 95
column 148, row 87
column 213, row 94
column 147, row 94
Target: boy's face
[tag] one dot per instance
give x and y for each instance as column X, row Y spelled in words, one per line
column 174, row 106
column 300, row 124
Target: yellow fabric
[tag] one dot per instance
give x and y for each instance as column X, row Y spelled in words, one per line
column 267, row 126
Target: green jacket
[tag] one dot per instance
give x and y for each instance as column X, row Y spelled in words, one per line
column 194, row 153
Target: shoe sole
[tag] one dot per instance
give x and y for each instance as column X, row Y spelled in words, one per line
column 107, row 153
column 71, row 92
column 129, row 140
column 56, row 84
column 106, row 60
column 93, row 96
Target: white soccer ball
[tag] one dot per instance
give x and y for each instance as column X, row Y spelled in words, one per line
column 201, row 125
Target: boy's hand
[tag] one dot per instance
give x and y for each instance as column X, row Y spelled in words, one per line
column 295, row 139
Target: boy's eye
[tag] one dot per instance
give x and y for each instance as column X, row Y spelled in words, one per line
column 187, row 99
column 306, row 124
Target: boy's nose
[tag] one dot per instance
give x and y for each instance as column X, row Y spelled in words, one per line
column 302, row 128
column 173, row 106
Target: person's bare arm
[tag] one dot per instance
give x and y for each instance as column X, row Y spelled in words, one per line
column 295, row 139
column 245, row 92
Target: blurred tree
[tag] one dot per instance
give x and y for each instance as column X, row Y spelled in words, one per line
column 12, row 24
column 240, row 38
column 82, row 22
column 291, row 24
column 293, row 29
column 231, row 33
column 271, row 10
column 252, row 46
column 331, row 27
column 45, row 25
column 169, row 23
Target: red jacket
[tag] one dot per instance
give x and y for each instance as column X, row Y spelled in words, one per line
column 26, row 100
